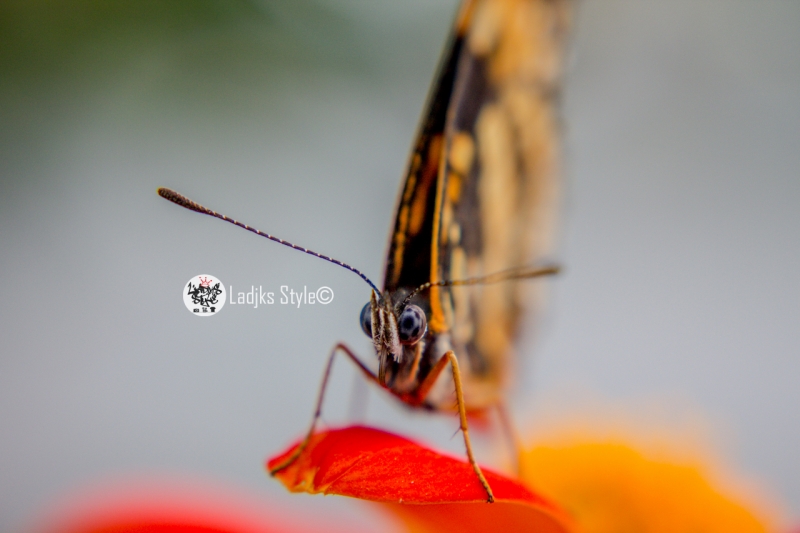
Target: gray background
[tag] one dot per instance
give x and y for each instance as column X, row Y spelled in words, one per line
column 680, row 303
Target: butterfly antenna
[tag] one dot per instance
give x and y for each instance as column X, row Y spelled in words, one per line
column 496, row 277
column 183, row 201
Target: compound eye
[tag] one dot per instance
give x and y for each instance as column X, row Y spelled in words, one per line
column 411, row 325
column 366, row 319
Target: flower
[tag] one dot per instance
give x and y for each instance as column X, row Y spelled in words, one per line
column 610, row 486
column 599, row 486
column 171, row 505
column 428, row 490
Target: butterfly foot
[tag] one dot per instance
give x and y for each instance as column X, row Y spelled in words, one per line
column 287, row 463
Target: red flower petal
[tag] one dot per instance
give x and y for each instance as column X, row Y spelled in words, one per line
column 374, row 465
column 171, row 506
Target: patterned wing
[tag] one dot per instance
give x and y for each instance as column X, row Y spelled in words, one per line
column 499, row 186
column 481, row 189
column 409, row 260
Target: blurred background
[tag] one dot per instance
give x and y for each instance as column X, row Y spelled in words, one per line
column 679, row 305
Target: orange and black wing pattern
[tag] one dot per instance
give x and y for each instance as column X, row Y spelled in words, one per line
column 481, row 193
column 409, row 261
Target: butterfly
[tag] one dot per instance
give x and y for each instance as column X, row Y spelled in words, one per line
column 476, row 209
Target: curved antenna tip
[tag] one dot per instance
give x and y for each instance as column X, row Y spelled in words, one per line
column 181, row 200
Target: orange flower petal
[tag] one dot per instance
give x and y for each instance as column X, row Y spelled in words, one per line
column 611, row 486
column 374, row 465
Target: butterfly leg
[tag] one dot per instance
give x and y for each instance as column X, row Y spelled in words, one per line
column 318, row 411
column 422, row 392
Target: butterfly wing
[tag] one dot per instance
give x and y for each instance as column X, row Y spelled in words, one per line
column 409, row 260
column 482, row 186
column 501, row 177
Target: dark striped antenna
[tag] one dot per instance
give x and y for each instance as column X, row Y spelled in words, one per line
column 183, row 201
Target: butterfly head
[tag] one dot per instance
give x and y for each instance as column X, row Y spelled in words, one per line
column 391, row 329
